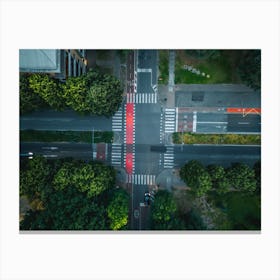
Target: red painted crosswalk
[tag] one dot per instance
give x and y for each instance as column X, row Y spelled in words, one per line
column 129, row 161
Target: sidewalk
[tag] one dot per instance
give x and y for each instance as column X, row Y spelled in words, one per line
column 217, row 95
column 170, row 179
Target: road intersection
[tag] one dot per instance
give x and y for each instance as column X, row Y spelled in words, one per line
column 143, row 121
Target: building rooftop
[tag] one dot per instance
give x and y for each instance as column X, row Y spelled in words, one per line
column 39, row 60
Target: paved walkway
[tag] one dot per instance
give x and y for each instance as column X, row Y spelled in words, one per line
column 171, row 70
column 170, row 179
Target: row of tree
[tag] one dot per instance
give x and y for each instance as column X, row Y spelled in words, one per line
column 238, row 177
column 72, row 195
column 166, row 214
column 231, row 197
column 91, row 93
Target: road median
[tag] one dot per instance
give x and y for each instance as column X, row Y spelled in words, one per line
column 218, row 139
column 65, row 136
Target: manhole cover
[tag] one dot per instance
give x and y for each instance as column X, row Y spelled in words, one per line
column 197, row 96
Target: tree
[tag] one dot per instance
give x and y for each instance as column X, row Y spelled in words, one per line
column 35, row 179
column 75, row 92
column 194, row 221
column 163, row 210
column 196, row 177
column 70, row 194
column 106, row 97
column 64, row 176
column 94, row 93
column 218, row 177
column 117, row 209
column 257, row 170
column 249, row 68
column 48, row 89
column 90, row 178
column 29, row 101
column 67, row 210
column 242, row 177
column 244, row 211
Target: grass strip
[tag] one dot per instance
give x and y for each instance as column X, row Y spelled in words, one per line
column 65, row 136
column 163, row 66
column 103, row 136
column 237, row 139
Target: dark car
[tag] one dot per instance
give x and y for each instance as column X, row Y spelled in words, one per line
column 158, row 148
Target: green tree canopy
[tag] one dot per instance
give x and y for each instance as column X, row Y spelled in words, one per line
column 48, row 89
column 218, row 177
column 95, row 93
column 117, row 209
column 75, row 195
column 196, row 177
column 257, row 170
column 244, row 211
column 242, row 177
column 67, row 210
column 163, row 210
column 249, row 68
column 75, row 92
column 29, row 101
column 92, row 179
column 35, row 179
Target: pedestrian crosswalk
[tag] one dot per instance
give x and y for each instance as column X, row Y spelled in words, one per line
column 141, row 98
column 141, row 179
column 168, row 157
column 117, row 120
column 116, row 154
column 155, row 88
column 170, row 117
column 144, row 70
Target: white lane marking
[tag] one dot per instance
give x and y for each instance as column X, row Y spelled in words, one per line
column 176, row 124
column 49, row 148
column 154, row 179
column 136, row 98
column 194, row 121
column 51, row 156
column 144, row 70
column 148, row 180
column 212, row 122
column 243, row 123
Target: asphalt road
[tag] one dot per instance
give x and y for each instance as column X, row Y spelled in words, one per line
column 144, row 82
column 63, row 121
column 82, row 151
column 148, row 59
column 211, row 123
column 147, row 132
column 219, row 122
column 249, row 123
column 216, row 154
